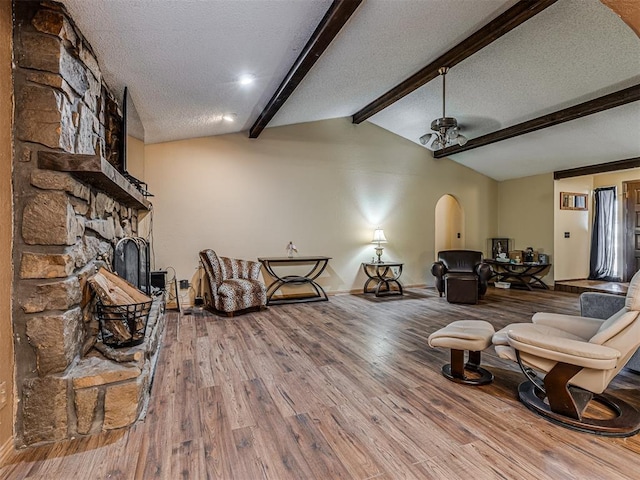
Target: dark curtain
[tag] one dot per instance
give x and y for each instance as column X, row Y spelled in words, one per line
column 602, row 266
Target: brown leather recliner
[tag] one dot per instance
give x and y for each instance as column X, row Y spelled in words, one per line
column 465, row 274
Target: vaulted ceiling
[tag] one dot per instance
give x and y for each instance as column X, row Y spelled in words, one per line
column 182, row 61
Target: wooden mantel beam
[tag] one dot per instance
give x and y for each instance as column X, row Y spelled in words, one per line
column 516, row 15
column 339, row 12
column 612, row 100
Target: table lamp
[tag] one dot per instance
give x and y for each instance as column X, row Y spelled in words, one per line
column 379, row 238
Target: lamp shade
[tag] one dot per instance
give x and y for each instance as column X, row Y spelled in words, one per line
column 378, row 236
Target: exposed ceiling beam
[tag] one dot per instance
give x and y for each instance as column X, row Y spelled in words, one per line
column 599, row 168
column 339, row 12
column 615, row 99
column 519, row 13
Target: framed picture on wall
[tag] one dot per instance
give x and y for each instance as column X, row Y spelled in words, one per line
column 573, row 201
column 500, row 246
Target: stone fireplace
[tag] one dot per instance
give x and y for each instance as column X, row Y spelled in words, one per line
column 71, row 207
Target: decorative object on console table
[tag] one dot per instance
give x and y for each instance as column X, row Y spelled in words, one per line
column 516, row 256
column 291, row 249
column 529, row 255
column 573, row 201
column 379, row 238
column 499, row 248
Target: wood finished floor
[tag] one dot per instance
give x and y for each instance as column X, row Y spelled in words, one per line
column 340, row 389
column 579, row 286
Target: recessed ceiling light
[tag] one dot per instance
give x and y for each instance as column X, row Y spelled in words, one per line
column 245, row 80
column 230, row 117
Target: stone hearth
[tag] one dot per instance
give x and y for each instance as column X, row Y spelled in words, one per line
column 66, row 223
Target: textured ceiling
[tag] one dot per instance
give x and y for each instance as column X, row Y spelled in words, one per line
column 181, row 60
column 574, row 51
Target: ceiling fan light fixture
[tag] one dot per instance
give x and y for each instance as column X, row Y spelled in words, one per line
column 453, row 133
column 446, row 129
column 443, row 124
column 434, row 143
column 431, row 141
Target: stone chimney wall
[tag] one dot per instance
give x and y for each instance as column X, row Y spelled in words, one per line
column 64, row 229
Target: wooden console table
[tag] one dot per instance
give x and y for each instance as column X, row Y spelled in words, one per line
column 384, row 274
column 524, row 274
column 318, row 266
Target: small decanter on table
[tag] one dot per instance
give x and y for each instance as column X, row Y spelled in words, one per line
column 291, row 249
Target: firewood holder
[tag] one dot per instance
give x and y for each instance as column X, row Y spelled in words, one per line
column 123, row 325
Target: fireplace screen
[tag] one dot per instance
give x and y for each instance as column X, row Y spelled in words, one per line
column 131, row 262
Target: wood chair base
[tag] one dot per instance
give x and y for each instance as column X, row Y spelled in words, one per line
column 456, row 370
column 625, row 424
column 485, row 375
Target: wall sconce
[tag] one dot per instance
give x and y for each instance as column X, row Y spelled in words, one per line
column 379, row 238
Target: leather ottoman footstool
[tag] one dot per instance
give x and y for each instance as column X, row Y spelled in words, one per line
column 461, row 288
column 471, row 335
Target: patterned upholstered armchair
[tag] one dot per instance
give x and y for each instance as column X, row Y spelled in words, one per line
column 232, row 285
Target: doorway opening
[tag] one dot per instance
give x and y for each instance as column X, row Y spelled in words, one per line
column 631, row 228
column 449, row 225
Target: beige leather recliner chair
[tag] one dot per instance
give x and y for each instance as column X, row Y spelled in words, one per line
column 578, row 357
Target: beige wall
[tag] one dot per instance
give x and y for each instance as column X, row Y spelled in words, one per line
column 572, row 254
column 616, row 179
column 525, row 215
column 323, row 185
column 6, row 273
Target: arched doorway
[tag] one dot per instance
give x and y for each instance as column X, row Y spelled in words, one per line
column 449, row 224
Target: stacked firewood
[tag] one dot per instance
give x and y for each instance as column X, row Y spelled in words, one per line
column 114, row 291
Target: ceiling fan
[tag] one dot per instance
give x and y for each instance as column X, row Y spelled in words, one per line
column 447, row 131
